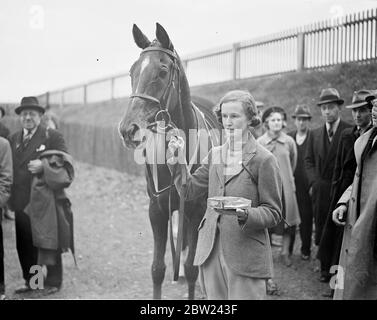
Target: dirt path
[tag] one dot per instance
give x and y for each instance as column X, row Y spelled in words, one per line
column 114, row 246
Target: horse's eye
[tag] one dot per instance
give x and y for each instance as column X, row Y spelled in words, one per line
column 163, row 72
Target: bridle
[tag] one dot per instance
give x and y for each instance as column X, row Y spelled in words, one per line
column 163, row 104
column 164, row 101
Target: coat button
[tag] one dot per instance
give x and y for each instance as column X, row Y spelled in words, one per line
column 353, row 199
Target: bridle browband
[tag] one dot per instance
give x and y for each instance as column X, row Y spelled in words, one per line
column 167, row 92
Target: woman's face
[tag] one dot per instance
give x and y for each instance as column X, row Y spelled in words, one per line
column 275, row 122
column 234, row 119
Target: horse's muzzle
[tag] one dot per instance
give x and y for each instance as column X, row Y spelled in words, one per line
column 129, row 135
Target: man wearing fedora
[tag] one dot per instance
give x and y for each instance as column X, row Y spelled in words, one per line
column 320, row 160
column 302, row 117
column 356, row 213
column 27, row 144
column 344, row 170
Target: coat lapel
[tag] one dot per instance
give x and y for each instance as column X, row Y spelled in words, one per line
column 360, row 145
column 220, row 164
column 321, row 143
column 248, row 153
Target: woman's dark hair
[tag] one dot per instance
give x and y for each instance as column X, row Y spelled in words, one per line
column 248, row 104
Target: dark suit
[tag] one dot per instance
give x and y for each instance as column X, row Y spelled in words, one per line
column 42, row 140
column 319, row 164
column 302, row 194
column 344, row 171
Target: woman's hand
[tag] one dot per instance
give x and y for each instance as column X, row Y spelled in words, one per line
column 242, row 215
column 176, row 143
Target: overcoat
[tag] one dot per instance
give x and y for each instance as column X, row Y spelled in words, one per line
column 285, row 150
column 51, row 219
column 358, row 254
column 42, row 140
column 246, row 247
column 344, row 171
column 319, row 164
column 6, row 174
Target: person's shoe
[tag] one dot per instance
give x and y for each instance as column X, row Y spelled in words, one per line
column 328, row 293
column 305, row 257
column 286, row 260
column 272, row 288
column 23, row 289
column 49, row 290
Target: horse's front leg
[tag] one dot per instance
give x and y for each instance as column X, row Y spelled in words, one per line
column 159, row 223
column 191, row 271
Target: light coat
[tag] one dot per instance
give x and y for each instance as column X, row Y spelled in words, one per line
column 246, row 247
column 357, row 256
column 285, row 150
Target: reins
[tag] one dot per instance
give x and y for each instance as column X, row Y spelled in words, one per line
column 166, row 97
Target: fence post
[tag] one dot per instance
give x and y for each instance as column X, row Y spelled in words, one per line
column 112, row 87
column 236, row 60
column 62, row 99
column 47, row 98
column 85, row 94
column 300, row 51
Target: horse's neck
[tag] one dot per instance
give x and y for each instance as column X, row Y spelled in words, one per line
column 184, row 114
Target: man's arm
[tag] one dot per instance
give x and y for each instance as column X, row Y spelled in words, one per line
column 6, row 171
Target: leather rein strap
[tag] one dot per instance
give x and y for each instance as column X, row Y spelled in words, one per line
column 175, row 249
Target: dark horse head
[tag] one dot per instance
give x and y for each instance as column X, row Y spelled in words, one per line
column 159, row 88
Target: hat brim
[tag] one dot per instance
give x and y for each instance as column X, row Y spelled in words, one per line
column 338, row 101
column 20, row 108
column 357, row 105
column 301, row 116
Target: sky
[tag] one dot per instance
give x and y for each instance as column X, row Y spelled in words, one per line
column 51, row 44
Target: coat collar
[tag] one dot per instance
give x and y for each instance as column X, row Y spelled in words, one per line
column 361, row 143
column 282, row 138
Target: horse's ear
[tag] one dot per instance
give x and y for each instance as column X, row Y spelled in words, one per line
column 139, row 37
column 163, row 38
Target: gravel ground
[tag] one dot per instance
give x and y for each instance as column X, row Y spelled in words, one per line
column 114, row 246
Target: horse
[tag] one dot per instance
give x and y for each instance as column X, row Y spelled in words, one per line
column 161, row 94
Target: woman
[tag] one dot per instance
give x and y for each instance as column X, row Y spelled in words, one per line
column 233, row 251
column 284, row 149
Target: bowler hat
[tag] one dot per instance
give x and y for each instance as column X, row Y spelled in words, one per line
column 359, row 99
column 329, row 95
column 302, row 112
column 270, row 110
column 29, row 103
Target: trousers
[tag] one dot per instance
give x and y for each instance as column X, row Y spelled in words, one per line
column 28, row 254
column 219, row 282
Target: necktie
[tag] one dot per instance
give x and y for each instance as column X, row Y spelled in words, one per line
column 27, row 139
column 330, row 132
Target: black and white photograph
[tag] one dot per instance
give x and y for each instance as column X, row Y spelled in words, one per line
column 188, row 150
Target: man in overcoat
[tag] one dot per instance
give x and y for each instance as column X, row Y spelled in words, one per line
column 6, row 176
column 357, row 270
column 320, row 160
column 344, row 170
column 27, row 144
